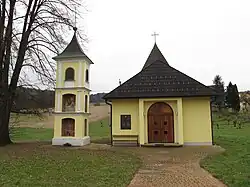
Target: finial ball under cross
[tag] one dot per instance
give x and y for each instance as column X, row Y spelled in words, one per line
column 155, row 34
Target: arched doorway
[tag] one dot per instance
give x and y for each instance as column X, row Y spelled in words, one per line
column 160, row 123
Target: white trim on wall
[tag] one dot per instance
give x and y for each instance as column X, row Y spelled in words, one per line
column 69, row 84
column 59, row 71
column 78, row 100
column 86, row 84
column 74, row 141
column 58, row 108
column 180, row 121
column 80, row 74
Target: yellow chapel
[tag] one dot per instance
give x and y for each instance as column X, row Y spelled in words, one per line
column 71, row 115
column 160, row 106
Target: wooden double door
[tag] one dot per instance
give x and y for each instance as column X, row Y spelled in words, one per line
column 160, row 123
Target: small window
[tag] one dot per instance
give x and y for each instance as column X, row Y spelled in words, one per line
column 87, row 75
column 86, row 103
column 125, row 121
column 69, row 74
column 85, row 127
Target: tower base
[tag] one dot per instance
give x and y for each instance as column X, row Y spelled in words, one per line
column 73, row 141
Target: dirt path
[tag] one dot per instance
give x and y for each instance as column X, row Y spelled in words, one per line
column 174, row 167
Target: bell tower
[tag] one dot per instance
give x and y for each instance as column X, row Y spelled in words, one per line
column 71, row 116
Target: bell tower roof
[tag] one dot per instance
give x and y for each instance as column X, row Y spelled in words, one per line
column 73, row 50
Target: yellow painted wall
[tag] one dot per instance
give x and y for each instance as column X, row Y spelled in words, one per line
column 76, row 66
column 140, row 125
column 192, row 120
column 196, row 120
column 79, row 124
column 123, row 107
column 81, row 92
column 66, row 65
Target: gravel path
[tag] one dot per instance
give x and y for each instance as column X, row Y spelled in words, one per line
column 177, row 167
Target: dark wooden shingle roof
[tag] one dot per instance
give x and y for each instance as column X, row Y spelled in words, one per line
column 159, row 79
column 73, row 50
column 155, row 55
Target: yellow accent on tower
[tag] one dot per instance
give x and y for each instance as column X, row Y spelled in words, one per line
column 71, row 116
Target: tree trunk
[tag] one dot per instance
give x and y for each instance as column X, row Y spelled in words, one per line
column 5, row 108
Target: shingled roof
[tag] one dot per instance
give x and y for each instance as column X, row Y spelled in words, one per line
column 155, row 55
column 159, row 79
column 73, row 50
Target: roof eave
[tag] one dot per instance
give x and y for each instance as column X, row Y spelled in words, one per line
column 139, row 97
column 72, row 57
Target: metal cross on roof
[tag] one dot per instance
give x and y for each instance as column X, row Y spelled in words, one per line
column 155, row 34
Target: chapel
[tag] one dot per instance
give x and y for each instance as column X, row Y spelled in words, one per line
column 160, row 106
column 71, row 123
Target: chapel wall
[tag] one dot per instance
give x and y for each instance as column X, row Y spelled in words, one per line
column 125, row 107
column 197, row 121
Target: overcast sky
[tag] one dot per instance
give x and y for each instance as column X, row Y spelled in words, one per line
column 200, row 38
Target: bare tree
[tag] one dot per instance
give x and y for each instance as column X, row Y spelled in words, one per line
column 245, row 100
column 30, row 30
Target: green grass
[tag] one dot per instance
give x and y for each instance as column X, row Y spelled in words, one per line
column 233, row 166
column 27, row 165
column 28, row 133
column 40, row 164
column 98, row 130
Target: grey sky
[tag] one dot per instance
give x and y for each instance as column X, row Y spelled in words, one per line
column 200, row 38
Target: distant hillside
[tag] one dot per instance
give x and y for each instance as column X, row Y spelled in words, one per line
column 97, row 98
column 30, row 98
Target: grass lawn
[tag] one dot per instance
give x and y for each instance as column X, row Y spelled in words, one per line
column 32, row 165
column 233, row 166
column 28, row 133
column 38, row 164
column 98, row 130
